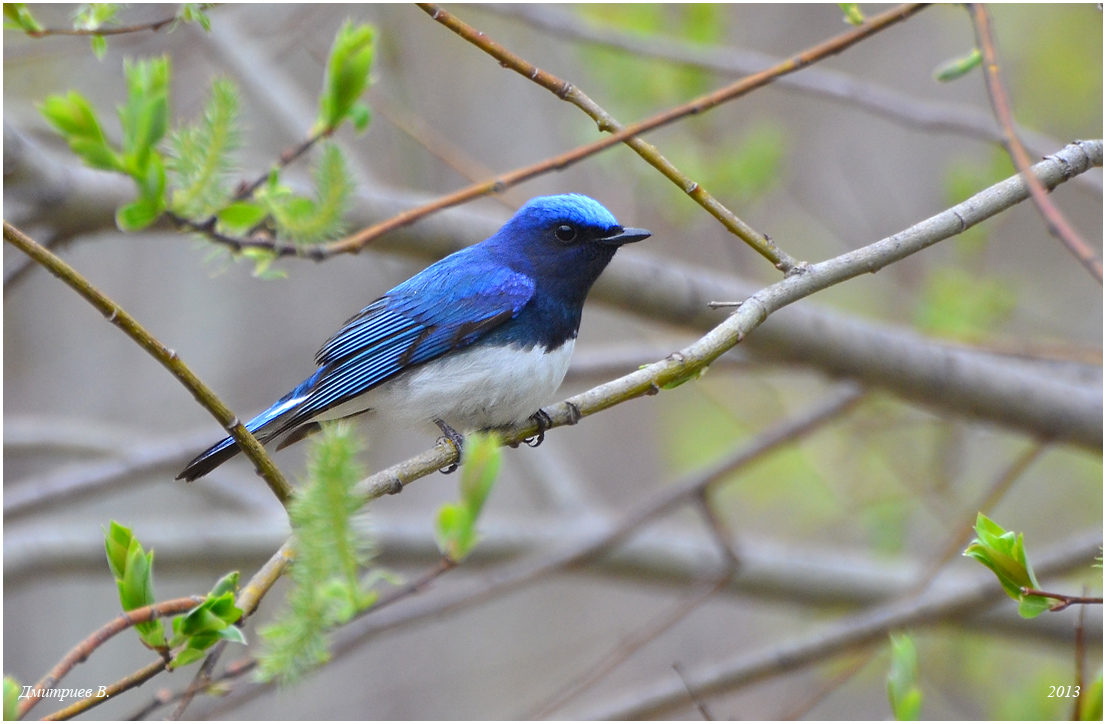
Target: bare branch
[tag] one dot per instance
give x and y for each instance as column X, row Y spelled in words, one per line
column 1057, row 224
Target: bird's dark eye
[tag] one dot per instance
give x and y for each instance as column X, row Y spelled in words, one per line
column 565, row 233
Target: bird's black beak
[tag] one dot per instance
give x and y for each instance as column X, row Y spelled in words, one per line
column 625, row 236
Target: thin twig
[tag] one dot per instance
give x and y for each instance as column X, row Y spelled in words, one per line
column 154, row 27
column 203, row 678
column 167, row 357
column 631, row 644
column 653, row 699
column 1080, row 672
column 200, row 681
column 1064, row 599
column 700, row 706
column 422, row 133
column 356, row 242
column 248, row 598
column 819, row 82
column 234, row 670
column 98, row 638
column 138, row 678
column 578, row 553
column 72, row 482
column 986, row 503
column 568, row 92
column 1056, row 222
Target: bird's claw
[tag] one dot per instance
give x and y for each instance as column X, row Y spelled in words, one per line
column 456, row 439
column 544, row 422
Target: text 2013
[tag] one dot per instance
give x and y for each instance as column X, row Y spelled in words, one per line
column 1063, row 692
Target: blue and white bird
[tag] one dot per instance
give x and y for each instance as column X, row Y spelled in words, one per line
column 480, row 339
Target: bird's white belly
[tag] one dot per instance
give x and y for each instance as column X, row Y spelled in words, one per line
column 473, row 389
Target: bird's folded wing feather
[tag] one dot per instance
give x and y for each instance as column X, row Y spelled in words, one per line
column 423, row 318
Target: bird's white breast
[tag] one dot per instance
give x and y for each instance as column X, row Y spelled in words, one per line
column 473, row 389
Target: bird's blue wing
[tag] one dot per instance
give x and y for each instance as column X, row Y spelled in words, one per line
column 441, row 309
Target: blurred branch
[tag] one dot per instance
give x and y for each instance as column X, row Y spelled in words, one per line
column 72, row 482
column 440, row 147
column 817, row 81
column 630, row 644
column 167, row 357
column 356, row 242
column 666, row 556
column 1085, row 427
column 962, row 535
column 655, row 698
column 1035, row 397
column 657, row 625
column 86, row 648
column 120, row 30
column 1057, row 224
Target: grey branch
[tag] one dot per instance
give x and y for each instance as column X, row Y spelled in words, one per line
column 657, row 697
column 816, row 81
column 1038, row 398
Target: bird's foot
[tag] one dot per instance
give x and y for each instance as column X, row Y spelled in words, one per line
column 454, row 438
column 544, row 422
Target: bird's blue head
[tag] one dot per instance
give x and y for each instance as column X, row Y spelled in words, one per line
column 563, row 241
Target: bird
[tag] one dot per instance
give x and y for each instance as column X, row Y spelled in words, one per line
column 478, row 340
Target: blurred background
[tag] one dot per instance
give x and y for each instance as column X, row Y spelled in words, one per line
column 871, row 505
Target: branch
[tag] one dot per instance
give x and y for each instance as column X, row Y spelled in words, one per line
column 167, row 357
column 1033, row 397
column 1064, row 599
column 817, row 81
column 1057, row 224
column 122, row 30
column 1051, row 413
column 70, row 483
column 358, row 241
column 86, row 648
column 658, row 697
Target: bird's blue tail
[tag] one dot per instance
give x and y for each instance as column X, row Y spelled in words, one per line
column 265, row 427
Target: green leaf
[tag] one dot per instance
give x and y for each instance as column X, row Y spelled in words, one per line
column 241, row 216
column 347, row 74
column 482, row 459
column 93, row 16
column 201, row 155
column 139, row 214
column 99, row 46
column 74, row 118
column 145, row 116
column 958, row 67
column 852, row 13
column 226, row 584
column 133, row 571
column 361, row 116
column 136, row 589
column 20, row 18
column 902, row 680
column 117, row 541
column 455, row 531
column 12, row 689
column 306, row 220
column 1004, row 553
column 196, row 12
column 1090, row 703
column 186, row 657
column 455, row 528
